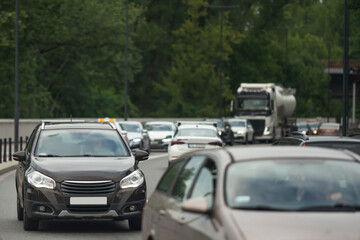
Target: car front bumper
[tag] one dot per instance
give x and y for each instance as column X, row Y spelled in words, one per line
column 46, row 204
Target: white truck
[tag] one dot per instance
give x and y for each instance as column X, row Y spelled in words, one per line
column 267, row 106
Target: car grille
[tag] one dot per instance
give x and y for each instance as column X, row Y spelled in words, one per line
column 88, row 187
column 258, row 126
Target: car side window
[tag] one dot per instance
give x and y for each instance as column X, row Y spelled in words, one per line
column 205, row 184
column 169, row 176
column 31, row 140
column 186, row 177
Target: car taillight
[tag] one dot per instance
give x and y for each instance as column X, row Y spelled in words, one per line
column 177, row 142
column 216, row 144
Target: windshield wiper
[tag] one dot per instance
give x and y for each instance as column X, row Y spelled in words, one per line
column 261, row 208
column 335, row 207
column 49, row 155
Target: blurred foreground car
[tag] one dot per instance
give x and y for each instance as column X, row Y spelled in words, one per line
column 257, row 193
column 78, row 171
column 137, row 135
column 160, row 133
column 243, row 130
column 329, row 129
column 335, row 142
column 193, row 137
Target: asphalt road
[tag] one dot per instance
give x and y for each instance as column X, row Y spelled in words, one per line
column 12, row 229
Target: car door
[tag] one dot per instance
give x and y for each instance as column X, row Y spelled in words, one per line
column 250, row 131
column 170, row 213
column 201, row 226
column 155, row 217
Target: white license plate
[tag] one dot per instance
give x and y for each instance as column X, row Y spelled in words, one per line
column 196, row 145
column 88, row 200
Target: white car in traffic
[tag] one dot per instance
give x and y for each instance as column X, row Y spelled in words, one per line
column 242, row 129
column 193, row 137
column 160, row 133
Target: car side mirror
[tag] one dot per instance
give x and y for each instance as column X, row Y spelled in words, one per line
column 196, row 205
column 144, row 132
column 140, row 155
column 19, row 156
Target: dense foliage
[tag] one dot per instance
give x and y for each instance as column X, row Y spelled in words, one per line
column 72, row 56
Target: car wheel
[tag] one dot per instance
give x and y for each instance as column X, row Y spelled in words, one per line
column 246, row 140
column 29, row 223
column 135, row 223
column 20, row 210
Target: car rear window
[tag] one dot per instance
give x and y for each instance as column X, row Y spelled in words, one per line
column 197, row 132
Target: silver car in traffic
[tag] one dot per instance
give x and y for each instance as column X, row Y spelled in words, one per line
column 257, row 193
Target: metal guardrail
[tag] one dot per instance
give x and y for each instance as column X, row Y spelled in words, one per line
column 7, row 146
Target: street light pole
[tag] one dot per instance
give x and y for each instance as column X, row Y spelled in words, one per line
column 345, row 68
column 220, row 65
column 222, row 7
column 16, row 104
column 126, row 60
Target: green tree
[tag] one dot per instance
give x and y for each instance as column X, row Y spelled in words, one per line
column 192, row 83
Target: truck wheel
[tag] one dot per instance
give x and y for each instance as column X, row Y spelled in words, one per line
column 135, row 223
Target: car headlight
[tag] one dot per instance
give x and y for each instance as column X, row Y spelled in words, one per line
column 133, row 180
column 241, row 132
column 39, row 180
column 219, row 132
column 136, row 140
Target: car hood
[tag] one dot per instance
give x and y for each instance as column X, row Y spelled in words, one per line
column 235, row 129
column 84, row 168
column 132, row 135
column 159, row 134
column 261, row 225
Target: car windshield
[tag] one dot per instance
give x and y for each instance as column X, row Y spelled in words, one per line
column 80, row 143
column 130, row 127
column 313, row 125
column 301, row 125
column 351, row 146
column 237, row 123
column 158, row 127
column 197, row 132
column 293, row 185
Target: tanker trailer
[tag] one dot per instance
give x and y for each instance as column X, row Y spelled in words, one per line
column 267, row 106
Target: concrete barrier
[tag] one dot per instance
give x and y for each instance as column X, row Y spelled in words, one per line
column 26, row 126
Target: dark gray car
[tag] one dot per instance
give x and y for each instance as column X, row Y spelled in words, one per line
column 77, row 171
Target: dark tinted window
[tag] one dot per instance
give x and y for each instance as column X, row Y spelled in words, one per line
column 30, row 143
column 351, row 146
column 169, row 176
column 186, row 177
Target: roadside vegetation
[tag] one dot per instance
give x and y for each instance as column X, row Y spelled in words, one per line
column 72, row 55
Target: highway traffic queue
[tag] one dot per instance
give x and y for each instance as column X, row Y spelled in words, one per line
column 210, row 190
